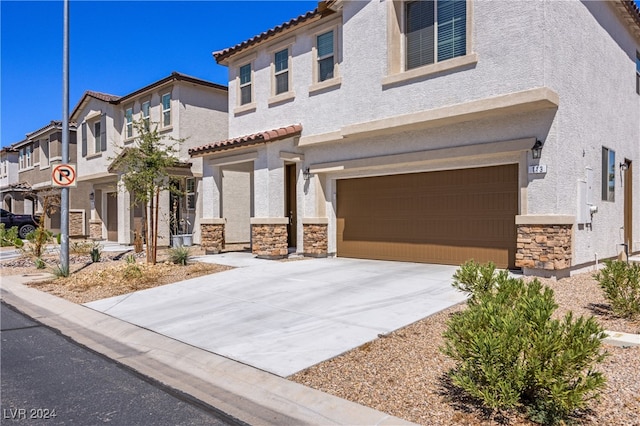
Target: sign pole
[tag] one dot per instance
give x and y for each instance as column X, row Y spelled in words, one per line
column 64, row 197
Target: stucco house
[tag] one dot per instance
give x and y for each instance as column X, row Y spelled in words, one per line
column 27, row 169
column 182, row 107
column 431, row 131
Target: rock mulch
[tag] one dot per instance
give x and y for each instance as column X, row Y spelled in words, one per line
column 404, row 373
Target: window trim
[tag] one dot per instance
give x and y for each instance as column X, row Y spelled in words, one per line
column 190, row 194
column 163, row 111
column 396, row 47
column 289, row 94
column 146, row 119
column 608, row 174
column 97, row 141
column 128, row 123
column 45, row 159
column 25, row 158
column 336, row 53
column 251, row 106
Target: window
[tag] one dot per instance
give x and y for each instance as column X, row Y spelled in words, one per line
column 44, row 152
column 245, row 84
column 326, row 58
column 191, row 194
column 128, row 119
column 608, row 174
column 166, row 109
column 97, row 136
column 638, row 73
column 434, row 31
column 145, row 114
column 281, row 71
column 25, row 159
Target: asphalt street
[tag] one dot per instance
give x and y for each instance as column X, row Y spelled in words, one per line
column 49, row 379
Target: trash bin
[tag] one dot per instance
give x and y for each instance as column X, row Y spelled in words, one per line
column 187, row 240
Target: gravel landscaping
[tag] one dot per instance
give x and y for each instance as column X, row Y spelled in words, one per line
column 402, row 373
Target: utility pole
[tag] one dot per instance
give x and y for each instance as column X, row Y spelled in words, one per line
column 64, row 198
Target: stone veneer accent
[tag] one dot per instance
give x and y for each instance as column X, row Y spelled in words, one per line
column 269, row 240
column 212, row 237
column 76, row 223
column 544, row 247
column 315, row 239
column 95, row 230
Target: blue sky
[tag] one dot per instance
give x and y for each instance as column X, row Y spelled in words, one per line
column 116, row 47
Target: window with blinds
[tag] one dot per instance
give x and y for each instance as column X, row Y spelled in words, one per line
column 435, row 31
column 325, row 47
column 281, row 71
column 245, row 84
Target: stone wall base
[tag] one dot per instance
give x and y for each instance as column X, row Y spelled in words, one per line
column 315, row 240
column 76, row 223
column 269, row 241
column 212, row 237
column 546, row 247
column 95, row 230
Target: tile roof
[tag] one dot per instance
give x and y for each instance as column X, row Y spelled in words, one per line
column 242, row 141
column 102, row 96
column 633, row 9
column 324, row 8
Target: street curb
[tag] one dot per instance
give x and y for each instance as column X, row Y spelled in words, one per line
column 623, row 340
column 250, row 395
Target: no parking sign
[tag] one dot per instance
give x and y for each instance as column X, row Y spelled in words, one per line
column 64, row 175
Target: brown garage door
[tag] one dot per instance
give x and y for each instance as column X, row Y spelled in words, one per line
column 443, row 217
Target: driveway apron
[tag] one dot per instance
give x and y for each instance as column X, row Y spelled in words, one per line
column 283, row 317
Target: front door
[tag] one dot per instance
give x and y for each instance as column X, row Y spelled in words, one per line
column 291, row 204
column 628, row 203
column 112, row 216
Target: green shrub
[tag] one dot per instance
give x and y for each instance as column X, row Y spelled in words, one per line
column 39, row 263
column 130, row 259
column 95, row 252
column 511, row 354
column 620, row 282
column 131, row 271
column 59, row 271
column 9, row 237
column 179, row 255
column 39, row 237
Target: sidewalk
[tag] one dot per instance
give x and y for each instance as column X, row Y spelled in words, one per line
column 245, row 393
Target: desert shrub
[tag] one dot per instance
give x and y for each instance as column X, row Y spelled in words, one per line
column 620, row 282
column 131, row 271
column 9, row 237
column 95, row 252
column 130, row 259
column 179, row 255
column 81, row 247
column 39, row 263
column 39, row 238
column 511, row 354
column 61, row 271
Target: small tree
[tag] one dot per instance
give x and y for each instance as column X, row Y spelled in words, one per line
column 145, row 173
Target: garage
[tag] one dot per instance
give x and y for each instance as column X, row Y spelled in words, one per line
column 444, row 217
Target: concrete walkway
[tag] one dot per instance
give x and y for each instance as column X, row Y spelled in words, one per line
column 247, row 394
column 283, row 317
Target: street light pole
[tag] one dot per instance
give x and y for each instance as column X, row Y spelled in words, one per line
column 64, row 197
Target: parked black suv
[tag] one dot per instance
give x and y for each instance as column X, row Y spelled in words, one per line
column 25, row 222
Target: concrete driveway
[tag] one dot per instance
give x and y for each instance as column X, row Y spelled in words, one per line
column 283, row 317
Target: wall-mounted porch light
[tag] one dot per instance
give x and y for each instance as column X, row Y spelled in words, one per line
column 536, row 150
column 306, row 174
column 624, row 166
column 92, row 196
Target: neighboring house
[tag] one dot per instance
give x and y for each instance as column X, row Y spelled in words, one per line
column 182, row 107
column 431, row 131
column 30, row 163
column 9, row 188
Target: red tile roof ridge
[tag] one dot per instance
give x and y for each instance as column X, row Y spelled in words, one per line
column 102, row 96
column 264, row 136
column 220, row 55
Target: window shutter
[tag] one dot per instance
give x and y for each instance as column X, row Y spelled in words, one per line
column 420, row 34
column 103, row 132
column 452, row 29
column 84, row 139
